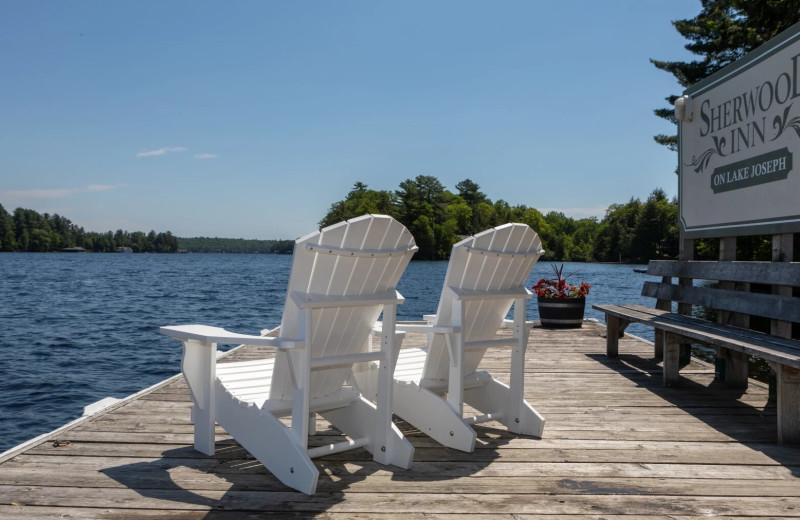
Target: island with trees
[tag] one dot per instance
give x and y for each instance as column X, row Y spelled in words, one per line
column 634, row 231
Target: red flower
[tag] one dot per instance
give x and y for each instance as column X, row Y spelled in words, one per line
column 559, row 288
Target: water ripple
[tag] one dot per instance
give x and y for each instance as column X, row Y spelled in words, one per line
column 78, row 328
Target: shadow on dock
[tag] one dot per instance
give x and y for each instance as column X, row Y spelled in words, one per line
column 745, row 416
column 617, row 444
column 241, row 482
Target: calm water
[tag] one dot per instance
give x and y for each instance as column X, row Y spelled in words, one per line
column 80, row 327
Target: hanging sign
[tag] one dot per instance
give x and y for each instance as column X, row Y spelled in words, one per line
column 738, row 140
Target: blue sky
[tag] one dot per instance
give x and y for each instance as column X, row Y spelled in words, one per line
column 249, row 119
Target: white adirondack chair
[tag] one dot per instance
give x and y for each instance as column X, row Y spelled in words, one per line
column 485, row 277
column 343, row 277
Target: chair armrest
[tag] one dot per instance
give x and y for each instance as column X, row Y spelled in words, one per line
column 377, row 330
column 469, row 294
column 417, row 327
column 208, row 334
column 268, row 332
column 436, row 329
column 508, row 324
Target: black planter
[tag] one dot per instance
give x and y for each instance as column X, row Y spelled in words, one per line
column 561, row 313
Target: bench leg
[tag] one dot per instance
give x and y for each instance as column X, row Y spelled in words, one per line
column 788, row 405
column 615, row 329
column 735, row 369
column 658, row 345
column 672, row 357
column 686, row 354
column 612, row 336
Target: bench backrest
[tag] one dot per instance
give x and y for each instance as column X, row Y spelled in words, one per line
column 774, row 306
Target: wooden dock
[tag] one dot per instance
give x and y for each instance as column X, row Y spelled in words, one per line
column 616, row 443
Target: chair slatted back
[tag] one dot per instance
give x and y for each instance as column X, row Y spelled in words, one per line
column 361, row 257
column 496, row 259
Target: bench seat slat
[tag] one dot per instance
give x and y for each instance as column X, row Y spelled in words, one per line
column 646, row 315
column 770, row 348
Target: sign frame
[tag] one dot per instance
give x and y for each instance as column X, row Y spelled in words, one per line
column 720, row 181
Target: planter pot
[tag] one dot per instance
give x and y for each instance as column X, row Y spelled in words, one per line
column 561, row 313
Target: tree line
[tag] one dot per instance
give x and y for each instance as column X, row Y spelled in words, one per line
column 235, row 245
column 25, row 230
column 633, row 232
column 28, row 231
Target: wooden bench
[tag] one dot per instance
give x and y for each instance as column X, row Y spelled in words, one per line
column 734, row 302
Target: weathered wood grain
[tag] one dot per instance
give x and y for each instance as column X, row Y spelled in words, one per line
column 611, row 501
column 50, row 513
column 616, row 444
column 767, row 347
column 783, row 273
column 773, row 306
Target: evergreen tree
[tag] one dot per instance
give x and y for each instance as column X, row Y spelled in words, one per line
column 8, row 241
column 361, row 201
column 535, row 220
column 615, row 234
column 422, row 230
column 656, row 228
column 567, row 239
column 723, row 31
column 422, row 196
column 483, row 217
column 470, row 192
column 461, row 214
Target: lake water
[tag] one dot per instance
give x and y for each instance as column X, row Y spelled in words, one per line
column 80, row 327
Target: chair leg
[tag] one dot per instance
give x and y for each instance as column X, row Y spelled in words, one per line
column 268, row 440
column 493, row 395
column 515, row 409
column 359, row 420
column 312, row 423
column 455, row 379
column 382, row 427
column 433, row 416
column 199, row 366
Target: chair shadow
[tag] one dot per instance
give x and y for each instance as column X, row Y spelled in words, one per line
column 233, row 479
column 714, row 404
column 436, row 463
column 186, row 480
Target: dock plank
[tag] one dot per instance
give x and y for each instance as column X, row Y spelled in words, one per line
column 616, row 444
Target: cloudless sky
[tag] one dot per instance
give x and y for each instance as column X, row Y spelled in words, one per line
column 248, row 119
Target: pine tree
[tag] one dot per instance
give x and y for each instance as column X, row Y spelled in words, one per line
column 723, row 32
column 8, row 241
